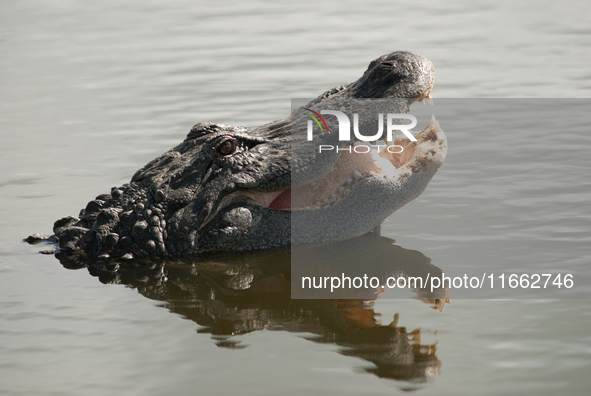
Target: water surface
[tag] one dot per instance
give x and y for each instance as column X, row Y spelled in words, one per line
column 91, row 92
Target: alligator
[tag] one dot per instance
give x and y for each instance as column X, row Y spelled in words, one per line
column 228, row 188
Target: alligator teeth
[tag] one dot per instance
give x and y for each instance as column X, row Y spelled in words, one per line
column 429, row 101
column 349, row 180
column 422, row 101
column 429, row 156
column 357, row 175
column 433, row 122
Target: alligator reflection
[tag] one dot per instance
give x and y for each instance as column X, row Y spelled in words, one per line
column 237, row 294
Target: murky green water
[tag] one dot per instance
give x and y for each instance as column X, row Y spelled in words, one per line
column 91, row 92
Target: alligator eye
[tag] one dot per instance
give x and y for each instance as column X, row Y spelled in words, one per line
column 227, row 147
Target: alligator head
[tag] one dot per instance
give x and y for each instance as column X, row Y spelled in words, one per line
column 227, row 188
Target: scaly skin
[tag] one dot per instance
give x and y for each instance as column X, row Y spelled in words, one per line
column 215, row 191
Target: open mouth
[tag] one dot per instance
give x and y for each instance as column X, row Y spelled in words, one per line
column 390, row 160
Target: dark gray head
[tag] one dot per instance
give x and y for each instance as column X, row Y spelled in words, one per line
column 230, row 189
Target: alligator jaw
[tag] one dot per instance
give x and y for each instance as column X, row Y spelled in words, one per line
column 372, row 184
column 351, row 169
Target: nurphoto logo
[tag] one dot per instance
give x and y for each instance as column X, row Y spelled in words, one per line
column 345, row 130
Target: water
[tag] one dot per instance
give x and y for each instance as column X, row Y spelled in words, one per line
column 91, row 92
